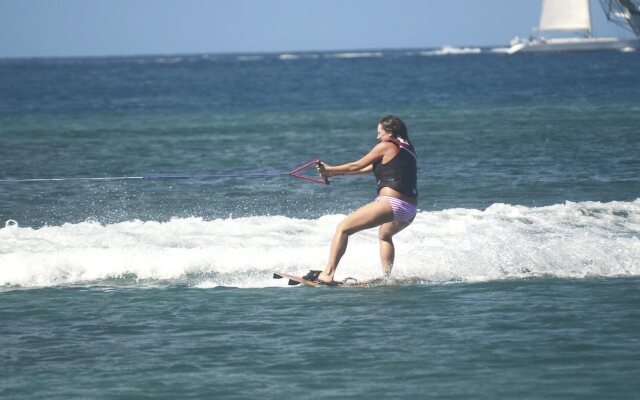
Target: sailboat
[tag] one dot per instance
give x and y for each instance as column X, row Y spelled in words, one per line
column 575, row 16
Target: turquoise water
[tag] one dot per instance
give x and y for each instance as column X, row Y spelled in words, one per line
column 541, row 338
column 518, row 278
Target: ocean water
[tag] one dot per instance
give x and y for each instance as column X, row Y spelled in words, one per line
column 519, row 277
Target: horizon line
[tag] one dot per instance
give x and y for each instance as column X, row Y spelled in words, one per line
column 266, row 52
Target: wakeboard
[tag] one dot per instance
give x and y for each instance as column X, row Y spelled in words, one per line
column 294, row 280
column 347, row 282
column 311, row 280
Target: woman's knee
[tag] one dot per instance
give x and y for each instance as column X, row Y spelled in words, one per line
column 385, row 236
column 343, row 229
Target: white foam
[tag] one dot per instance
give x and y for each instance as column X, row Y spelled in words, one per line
column 250, row 58
column 289, row 56
column 502, row 242
column 449, row 50
column 298, row 56
column 500, row 50
column 354, row 55
column 168, row 60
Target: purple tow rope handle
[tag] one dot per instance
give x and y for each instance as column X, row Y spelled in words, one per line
column 294, row 173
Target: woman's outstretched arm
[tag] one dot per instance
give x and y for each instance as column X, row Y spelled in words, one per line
column 362, row 166
column 365, row 170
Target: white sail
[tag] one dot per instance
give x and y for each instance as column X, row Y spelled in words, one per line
column 565, row 15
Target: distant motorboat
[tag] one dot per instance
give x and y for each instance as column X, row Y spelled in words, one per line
column 574, row 16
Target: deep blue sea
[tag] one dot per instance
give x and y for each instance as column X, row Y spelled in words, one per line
column 519, row 278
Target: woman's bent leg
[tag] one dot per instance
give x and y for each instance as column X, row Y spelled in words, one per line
column 387, row 249
column 368, row 216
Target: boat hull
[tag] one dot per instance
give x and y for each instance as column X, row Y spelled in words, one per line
column 574, row 44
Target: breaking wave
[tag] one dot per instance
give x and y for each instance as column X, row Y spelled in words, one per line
column 571, row 240
column 448, row 50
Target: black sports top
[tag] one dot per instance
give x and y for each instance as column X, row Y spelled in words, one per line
column 401, row 173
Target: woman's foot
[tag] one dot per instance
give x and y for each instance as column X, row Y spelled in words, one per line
column 326, row 279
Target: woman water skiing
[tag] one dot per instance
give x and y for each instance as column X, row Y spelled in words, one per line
column 394, row 163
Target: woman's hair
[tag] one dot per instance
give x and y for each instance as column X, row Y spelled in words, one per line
column 394, row 126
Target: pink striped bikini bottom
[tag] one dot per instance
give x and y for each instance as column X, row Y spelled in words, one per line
column 402, row 211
